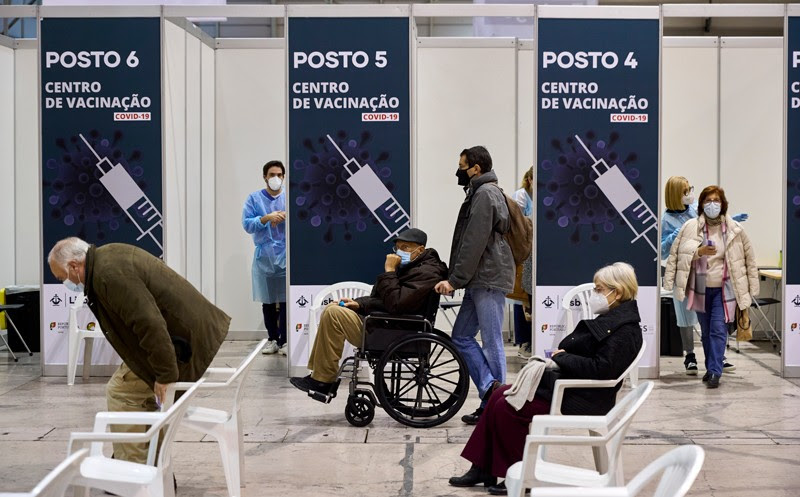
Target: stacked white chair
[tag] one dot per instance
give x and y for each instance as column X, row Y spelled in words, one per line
column 224, row 426
column 124, row 478
column 678, row 469
column 606, row 436
column 75, row 337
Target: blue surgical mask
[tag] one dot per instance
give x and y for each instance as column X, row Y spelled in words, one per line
column 405, row 257
column 712, row 209
column 72, row 286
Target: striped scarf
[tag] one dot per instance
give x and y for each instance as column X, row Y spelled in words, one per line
column 696, row 287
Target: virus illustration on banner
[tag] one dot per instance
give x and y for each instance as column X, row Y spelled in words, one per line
column 73, row 193
column 568, row 189
column 327, row 199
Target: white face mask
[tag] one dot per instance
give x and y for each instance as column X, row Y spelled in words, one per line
column 72, row 286
column 598, row 303
column 275, row 183
column 688, row 199
column 712, row 209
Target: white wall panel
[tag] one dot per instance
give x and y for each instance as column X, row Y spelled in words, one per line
column 193, row 217
column 27, row 165
column 751, row 134
column 7, row 193
column 207, row 171
column 250, row 128
column 690, row 116
column 525, row 109
column 175, row 163
column 465, row 97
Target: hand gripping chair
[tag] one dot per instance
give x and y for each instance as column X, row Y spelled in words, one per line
column 609, row 433
column 56, row 482
column 128, row 479
column 222, row 425
column 678, row 469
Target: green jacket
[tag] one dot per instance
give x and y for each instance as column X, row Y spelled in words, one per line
column 159, row 324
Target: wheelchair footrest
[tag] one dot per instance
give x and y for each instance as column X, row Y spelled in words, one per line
column 324, row 397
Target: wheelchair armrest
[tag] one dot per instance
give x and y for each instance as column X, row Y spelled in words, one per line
column 396, row 317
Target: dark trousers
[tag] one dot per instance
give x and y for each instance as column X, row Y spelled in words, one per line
column 275, row 321
column 499, row 437
column 522, row 328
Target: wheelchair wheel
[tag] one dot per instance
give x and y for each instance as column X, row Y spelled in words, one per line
column 359, row 410
column 421, row 380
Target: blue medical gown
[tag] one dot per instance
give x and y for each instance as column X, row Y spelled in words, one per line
column 671, row 223
column 269, row 259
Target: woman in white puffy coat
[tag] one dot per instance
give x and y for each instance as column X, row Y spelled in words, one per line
column 712, row 265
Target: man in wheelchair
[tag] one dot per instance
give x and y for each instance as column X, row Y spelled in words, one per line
column 410, row 273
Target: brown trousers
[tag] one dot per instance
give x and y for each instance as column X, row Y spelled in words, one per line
column 336, row 325
column 127, row 392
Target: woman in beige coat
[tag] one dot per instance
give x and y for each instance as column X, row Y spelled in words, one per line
column 712, row 265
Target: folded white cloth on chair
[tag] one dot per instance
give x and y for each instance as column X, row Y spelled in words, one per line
column 524, row 387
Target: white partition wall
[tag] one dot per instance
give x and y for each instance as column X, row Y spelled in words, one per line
column 525, row 108
column 175, row 147
column 7, row 192
column 250, row 130
column 751, row 138
column 193, row 159
column 208, row 211
column 690, row 110
column 465, row 96
column 26, row 167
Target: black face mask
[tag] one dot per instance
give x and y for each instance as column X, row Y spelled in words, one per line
column 463, row 177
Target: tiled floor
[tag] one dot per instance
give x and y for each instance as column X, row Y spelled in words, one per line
column 749, row 427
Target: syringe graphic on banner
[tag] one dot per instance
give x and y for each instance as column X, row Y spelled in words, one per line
column 130, row 197
column 371, row 190
column 630, row 205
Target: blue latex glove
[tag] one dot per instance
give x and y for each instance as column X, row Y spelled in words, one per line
column 740, row 217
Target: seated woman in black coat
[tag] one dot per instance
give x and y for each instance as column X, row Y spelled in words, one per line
column 598, row 349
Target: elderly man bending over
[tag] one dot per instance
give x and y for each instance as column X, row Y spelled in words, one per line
column 160, row 325
column 410, row 274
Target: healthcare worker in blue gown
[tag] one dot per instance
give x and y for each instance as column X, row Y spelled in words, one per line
column 264, row 217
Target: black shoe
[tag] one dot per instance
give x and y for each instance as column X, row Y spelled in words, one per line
column 690, row 363
column 475, row 476
column 713, row 381
column 472, row 419
column 307, row 383
column 728, row 368
column 499, row 489
column 706, row 377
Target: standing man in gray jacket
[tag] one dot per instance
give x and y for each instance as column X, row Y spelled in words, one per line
column 482, row 263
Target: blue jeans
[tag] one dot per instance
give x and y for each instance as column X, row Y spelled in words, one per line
column 482, row 309
column 522, row 328
column 714, row 331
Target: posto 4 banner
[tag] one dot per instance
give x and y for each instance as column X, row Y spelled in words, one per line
column 101, row 148
column 349, row 154
column 791, row 255
column 597, row 159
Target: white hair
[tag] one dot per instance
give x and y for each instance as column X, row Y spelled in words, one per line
column 66, row 251
column 619, row 276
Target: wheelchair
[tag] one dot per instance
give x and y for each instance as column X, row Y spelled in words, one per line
column 420, row 378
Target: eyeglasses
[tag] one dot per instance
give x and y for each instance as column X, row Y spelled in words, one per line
column 689, row 191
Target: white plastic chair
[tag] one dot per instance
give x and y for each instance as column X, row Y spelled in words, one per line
column 56, row 482
column 129, row 479
column 76, row 336
column 606, row 435
column 580, row 294
column 333, row 293
column 224, row 426
column 678, row 468
column 561, row 385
